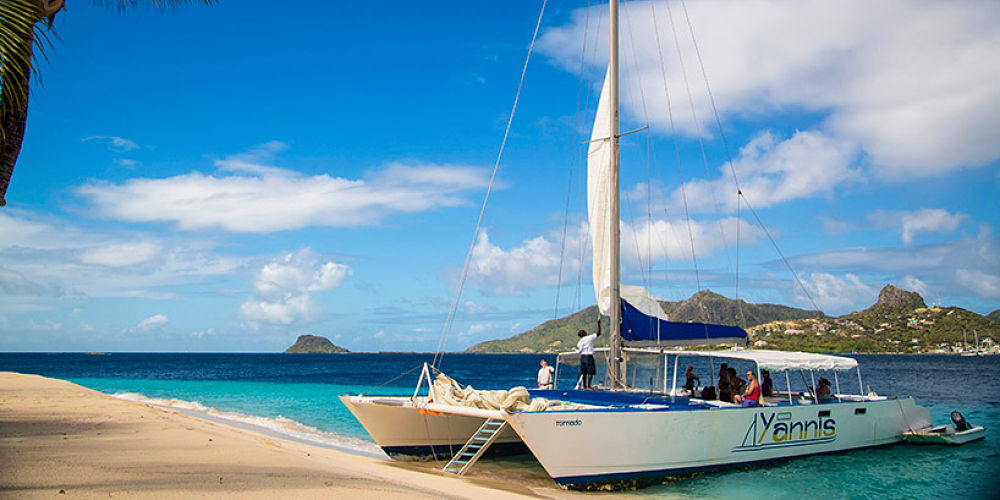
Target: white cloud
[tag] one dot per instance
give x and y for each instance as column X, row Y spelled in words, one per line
column 116, row 144
column 49, row 257
column 480, row 328
column 982, row 283
column 910, row 224
column 914, row 284
column 202, row 333
column 474, row 308
column 379, row 334
column 511, row 272
column 283, row 288
column 833, row 294
column 45, row 326
column 535, row 262
column 252, row 161
column 152, row 322
column 670, row 239
column 251, row 197
column 119, row 254
column 949, row 268
column 773, row 171
column 912, row 83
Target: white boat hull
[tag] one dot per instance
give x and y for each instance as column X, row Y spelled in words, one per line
column 401, row 429
column 582, row 448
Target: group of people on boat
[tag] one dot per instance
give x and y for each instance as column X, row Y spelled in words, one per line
column 732, row 388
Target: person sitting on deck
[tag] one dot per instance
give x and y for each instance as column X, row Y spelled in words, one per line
column 736, row 384
column 751, row 395
column 766, row 384
column 689, row 378
column 724, row 394
column 823, row 392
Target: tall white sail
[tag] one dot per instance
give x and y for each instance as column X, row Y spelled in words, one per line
column 599, row 211
column 599, row 200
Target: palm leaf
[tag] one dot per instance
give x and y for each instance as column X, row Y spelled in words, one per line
column 18, row 29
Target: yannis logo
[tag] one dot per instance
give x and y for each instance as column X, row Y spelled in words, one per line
column 775, row 430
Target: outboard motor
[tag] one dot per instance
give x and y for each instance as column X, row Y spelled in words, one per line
column 960, row 423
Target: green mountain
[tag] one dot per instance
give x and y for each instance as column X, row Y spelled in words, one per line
column 899, row 321
column 311, row 344
column 559, row 335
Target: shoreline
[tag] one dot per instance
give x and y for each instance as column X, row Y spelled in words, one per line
column 59, row 437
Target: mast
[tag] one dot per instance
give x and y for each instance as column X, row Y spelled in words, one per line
column 615, row 378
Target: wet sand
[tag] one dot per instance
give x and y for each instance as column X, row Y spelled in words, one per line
column 58, row 439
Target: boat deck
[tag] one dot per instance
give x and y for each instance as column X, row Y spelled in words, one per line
column 631, row 401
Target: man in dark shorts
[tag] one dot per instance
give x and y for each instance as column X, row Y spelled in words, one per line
column 586, row 349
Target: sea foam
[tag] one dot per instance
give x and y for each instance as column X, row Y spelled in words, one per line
column 280, row 426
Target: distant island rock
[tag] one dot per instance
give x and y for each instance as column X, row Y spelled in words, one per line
column 311, row 344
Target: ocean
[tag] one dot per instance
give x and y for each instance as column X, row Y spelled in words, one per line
column 296, row 395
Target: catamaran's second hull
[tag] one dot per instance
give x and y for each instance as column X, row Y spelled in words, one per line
column 402, row 430
column 628, row 447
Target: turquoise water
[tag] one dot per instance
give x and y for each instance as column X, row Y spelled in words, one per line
column 297, row 395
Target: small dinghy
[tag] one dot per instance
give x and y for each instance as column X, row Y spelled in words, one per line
column 960, row 433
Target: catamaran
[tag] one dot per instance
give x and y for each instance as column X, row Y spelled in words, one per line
column 639, row 425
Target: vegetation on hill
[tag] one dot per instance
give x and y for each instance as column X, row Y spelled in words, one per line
column 559, row 335
column 311, row 344
column 995, row 315
column 899, row 321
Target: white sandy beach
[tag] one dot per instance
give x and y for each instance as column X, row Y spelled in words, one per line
column 58, row 439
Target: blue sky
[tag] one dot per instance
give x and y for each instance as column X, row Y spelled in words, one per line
column 226, row 178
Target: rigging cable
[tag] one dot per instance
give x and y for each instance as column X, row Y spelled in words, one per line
column 438, row 355
column 585, row 242
column 677, row 154
column 698, row 132
column 732, row 169
column 572, row 160
column 677, row 151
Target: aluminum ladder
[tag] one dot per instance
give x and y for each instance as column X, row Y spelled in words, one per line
column 476, row 446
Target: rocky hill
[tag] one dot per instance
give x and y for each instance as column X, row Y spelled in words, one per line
column 559, row 335
column 311, row 344
column 899, row 321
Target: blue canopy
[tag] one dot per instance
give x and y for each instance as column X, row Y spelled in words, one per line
column 639, row 330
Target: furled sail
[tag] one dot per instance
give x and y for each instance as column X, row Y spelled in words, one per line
column 599, row 211
column 643, row 320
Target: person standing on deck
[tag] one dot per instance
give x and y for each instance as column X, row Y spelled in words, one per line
column 690, row 378
column 766, row 385
column 546, row 375
column 585, row 346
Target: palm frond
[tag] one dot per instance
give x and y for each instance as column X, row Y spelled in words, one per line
column 17, row 25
